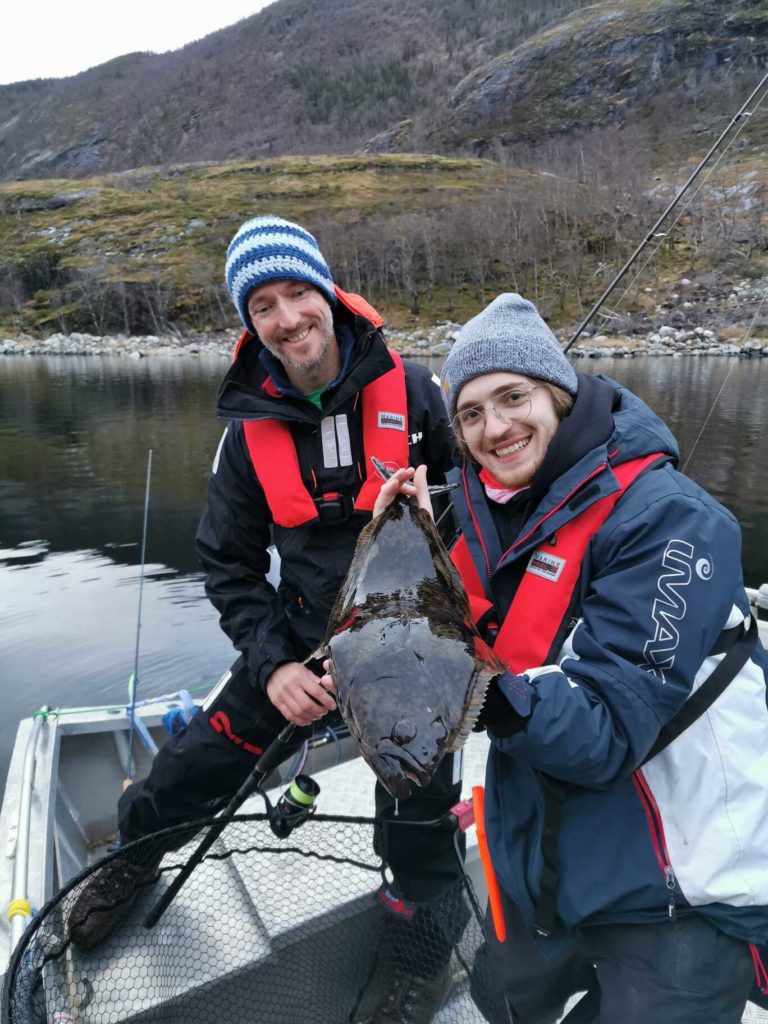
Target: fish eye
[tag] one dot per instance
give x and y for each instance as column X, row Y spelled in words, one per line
column 403, row 731
column 438, row 728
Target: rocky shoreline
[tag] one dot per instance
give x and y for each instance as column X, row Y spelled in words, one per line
column 735, row 328
column 434, row 342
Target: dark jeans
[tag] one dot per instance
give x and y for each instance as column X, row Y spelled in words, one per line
column 678, row 972
column 196, row 773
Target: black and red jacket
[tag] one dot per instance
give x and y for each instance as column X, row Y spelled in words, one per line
column 238, row 524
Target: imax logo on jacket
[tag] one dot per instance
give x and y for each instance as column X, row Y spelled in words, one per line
column 670, row 607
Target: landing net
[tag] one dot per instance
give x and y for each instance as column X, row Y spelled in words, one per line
column 265, row 931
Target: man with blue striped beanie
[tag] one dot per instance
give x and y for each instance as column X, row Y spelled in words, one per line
column 272, row 249
column 312, row 392
column 283, row 291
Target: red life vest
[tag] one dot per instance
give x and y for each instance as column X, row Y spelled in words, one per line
column 385, row 435
column 544, row 596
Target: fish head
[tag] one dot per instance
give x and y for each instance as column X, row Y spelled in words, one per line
column 402, row 695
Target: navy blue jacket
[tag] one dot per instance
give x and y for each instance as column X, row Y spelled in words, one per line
column 660, row 580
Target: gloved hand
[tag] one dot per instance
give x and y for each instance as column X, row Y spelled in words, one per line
column 509, row 701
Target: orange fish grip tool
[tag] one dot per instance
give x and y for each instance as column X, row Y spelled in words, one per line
column 491, row 881
column 461, row 817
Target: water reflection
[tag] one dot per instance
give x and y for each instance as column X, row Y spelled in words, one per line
column 74, row 437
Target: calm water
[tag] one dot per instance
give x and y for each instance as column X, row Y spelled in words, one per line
column 74, row 437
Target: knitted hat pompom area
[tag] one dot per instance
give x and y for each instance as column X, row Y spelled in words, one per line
column 272, row 249
column 508, row 336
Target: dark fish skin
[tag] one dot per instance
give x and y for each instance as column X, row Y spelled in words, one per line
column 409, row 667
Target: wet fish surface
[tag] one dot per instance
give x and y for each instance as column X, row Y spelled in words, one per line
column 409, row 667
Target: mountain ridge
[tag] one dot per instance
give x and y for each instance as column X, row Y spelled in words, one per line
column 509, row 146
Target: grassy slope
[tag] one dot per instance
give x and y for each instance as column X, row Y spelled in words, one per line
column 147, row 226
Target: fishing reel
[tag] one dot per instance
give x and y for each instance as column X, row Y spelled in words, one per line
column 294, row 807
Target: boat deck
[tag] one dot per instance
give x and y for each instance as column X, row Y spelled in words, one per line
column 89, row 746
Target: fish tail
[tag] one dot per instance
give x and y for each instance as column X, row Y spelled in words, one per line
column 385, row 473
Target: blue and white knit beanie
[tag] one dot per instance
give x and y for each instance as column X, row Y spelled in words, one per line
column 273, row 249
column 508, row 336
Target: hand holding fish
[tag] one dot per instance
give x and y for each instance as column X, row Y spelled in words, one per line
column 299, row 695
column 410, row 482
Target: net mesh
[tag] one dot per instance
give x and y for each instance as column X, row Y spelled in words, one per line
column 265, row 930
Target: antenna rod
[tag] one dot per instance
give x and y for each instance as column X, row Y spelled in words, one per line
column 743, row 112
column 133, row 682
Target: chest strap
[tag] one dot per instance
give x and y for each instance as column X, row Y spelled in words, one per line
column 542, row 600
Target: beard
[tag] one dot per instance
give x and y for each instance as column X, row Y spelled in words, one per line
column 327, row 337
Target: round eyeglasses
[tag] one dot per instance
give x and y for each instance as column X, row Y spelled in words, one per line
column 509, row 406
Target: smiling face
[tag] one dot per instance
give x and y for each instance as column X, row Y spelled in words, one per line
column 511, row 452
column 294, row 322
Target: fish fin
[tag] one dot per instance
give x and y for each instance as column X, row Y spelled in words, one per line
column 384, row 471
column 474, row 705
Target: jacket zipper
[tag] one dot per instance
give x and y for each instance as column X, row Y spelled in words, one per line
column 656, row 829
column 476, row 524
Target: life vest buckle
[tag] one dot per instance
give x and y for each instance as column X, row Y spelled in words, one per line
column 336, row 509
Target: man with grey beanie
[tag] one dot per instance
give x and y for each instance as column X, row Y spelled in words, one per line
column 312, row 391
column 626, row 826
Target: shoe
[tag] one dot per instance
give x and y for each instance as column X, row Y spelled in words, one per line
column 412, row 1000
column 105, row 900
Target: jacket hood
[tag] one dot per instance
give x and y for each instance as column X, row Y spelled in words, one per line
column 606, row 422
column 637, row 429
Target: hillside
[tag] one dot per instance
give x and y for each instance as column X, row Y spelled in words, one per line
column 585, row 121
column 426, row 238
column 144, row 250
column 672, row 65
column 301, row 76
column 468, row 77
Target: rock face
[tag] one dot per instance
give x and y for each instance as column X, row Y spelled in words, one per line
column 593, row 67
column 392, row 140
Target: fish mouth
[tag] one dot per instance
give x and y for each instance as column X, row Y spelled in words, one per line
column 397, row 768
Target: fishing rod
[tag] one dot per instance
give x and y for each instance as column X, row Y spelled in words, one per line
column 272, row 756
column 133, row 682
column 740, row 116
column 269, row 759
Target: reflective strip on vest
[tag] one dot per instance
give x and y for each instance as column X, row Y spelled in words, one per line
column 544, row 595
column 385, row 435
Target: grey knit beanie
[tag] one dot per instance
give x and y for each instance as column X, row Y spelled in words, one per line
column 272, row 249
column 508, row 336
